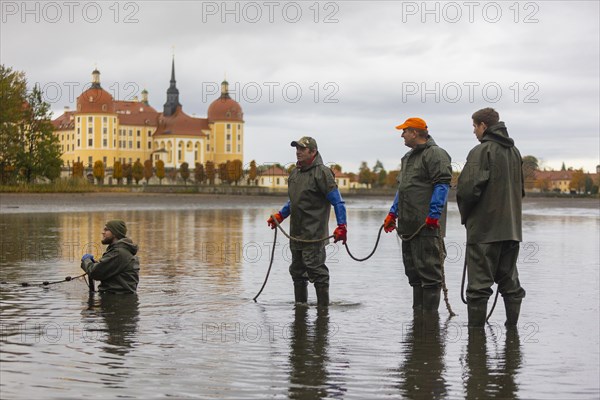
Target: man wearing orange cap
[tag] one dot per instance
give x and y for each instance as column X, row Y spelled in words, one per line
column 489, row 195
column 423, row 185
column 312, row 192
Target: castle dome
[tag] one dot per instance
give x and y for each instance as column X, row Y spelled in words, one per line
column 225, row 108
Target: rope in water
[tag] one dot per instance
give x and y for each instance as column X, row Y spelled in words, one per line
column 46, row 283
column 403, row 237
column 462, row 291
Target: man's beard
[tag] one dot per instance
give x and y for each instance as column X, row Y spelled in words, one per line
column 106, row 241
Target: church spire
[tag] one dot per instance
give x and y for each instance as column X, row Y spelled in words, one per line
column 172, row 94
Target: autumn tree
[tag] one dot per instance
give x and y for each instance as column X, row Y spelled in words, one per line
column 127, row 173
column 199, row 174
column 184, row 172
column 235, row 170
column 210, row 172
column 118, row 172
column 391, row 180
column 137, row 171
column 148, row 170
column 13, row 90
column 77, row 171
column 365, row 175
column 530, row 166
column 577, row 180
column 223, row 173
column 252, row 173
column 28, row 145
column 99, row 171
column 160, row 171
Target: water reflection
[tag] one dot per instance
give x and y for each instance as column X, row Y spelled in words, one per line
column 113, row 320
column 492, row 375
column 422, row 373
column 309, row 377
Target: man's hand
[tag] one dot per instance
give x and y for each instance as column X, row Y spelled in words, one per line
column 86, row 256
column 432, row 223
column 390, row 223
column 340, row 233
column 271, row 222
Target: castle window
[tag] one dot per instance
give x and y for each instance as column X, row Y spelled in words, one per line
column 228, row 148
column 90, row 120
column 104, row 107
column 104, row 119
column 104, row 142
column 90, row 142
column 229, row 136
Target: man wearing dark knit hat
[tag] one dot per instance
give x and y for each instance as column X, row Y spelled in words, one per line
column 118, row 269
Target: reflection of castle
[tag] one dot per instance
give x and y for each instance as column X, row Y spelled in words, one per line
column 178, row 244
column 102, row 128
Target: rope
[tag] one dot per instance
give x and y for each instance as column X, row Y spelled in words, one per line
column 46, row 283
column 462, row 291
column 403, row 237
column 270, row 265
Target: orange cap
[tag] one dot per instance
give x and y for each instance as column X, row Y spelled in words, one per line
column 416, row 123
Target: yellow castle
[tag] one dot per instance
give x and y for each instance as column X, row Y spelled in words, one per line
column 102, row 128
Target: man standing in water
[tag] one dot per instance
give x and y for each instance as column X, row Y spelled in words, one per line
column 490, row 191
column 423, row 186
column 312, row 191
column 118, row 269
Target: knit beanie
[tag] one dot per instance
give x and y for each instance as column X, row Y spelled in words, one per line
column 117, row 227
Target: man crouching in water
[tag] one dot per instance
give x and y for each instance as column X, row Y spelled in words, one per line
column 119, row 268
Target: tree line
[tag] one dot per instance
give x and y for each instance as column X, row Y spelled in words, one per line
column 28, row 147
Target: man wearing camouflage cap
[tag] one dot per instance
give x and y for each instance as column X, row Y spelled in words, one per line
column 118, row 269
column 312, row 191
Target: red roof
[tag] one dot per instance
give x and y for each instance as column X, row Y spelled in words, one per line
column 95, row 100
column 136, row 113
column 64, row 122
column 225, row 109
column 180, row 124
column 274, row 171
column 554, row 175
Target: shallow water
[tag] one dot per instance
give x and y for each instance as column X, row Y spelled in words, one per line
column 193, row 331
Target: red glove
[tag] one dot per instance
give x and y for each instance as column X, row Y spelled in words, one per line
column 432, row 223
column 390, row 223
column 271, row 222
column 340, row 234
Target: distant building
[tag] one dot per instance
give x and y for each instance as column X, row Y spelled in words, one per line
column 102, row 128
column 274, row 178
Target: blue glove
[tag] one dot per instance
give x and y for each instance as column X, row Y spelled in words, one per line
column 86, row 256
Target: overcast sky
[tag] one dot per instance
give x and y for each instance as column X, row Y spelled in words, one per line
column 344, row 72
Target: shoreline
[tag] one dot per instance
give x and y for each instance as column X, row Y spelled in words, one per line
column 11, row 201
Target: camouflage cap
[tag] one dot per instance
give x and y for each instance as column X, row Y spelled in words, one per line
column 305, row 141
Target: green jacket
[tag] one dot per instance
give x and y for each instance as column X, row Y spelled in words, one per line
column 308, row 188
column 118, row 269
column 422, row 168
column 490, row 189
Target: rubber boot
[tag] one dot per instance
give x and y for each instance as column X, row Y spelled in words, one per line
column 431, row 298
column 322, row 290
column 477, row 312
column 513, row 308
column 417, row 298
column 301, row 292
